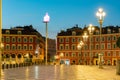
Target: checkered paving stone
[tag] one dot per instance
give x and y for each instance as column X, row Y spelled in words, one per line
column 60, row 72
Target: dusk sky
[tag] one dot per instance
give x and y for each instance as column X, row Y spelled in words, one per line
column 63, row 13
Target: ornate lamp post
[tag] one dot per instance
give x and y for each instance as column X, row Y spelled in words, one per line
column 0, row 35
column 90, row 29
column 100, row 14
column 80, row 47
column 85, row 37
column 46, row 20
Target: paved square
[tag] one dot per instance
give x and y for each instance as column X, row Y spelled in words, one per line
column 60, row 72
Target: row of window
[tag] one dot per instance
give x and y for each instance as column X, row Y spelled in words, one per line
column 8, row 32
column 97, row 39
column 88, row 55
column 109, row 31
column 17, row 39
column 86, row 47
column 18, row 47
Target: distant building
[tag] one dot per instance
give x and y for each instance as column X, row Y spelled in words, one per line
column 51, row 49
column 22, row 44
column 67, row 42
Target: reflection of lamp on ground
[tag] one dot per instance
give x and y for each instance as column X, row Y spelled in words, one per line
column 36, row 53
column 46, row 20
column 80, row 48
column 90, row 29
column 100, row 14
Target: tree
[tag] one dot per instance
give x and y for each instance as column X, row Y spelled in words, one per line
column 118, row 42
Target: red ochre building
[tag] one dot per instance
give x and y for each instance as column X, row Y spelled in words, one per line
column 67, row 42
column 22, row 44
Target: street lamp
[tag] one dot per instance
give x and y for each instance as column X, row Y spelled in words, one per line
column 85, row 37
column 100, row 14
column 46, row 20
column 80, row 48
column 90, row 29
column 0, row 36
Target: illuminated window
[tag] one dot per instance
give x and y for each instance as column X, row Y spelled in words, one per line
column 114, row 45
column 66, row 54
column 73, row 40
column 108, row 54
column 97, row 32
column 114, row 53
column 31, row 47
column 103, row 39
column 19, row 32
column 73, row 47
column 61, row 40
column 73, row 55
column 109, row 38
column 13, row 39
column 108, row 62
column 25, row 47
column 79, row 39
column 114, row 38
column 103, row 46
column 109, row 46
column 74, row 33
column 7, row 47
column 25, row 39
column 97, row 39
column 7, row 39
column 109, row 31
column 67, row 39
column 96, row 55
column 119, row 30
column 13, row 47
column 19, row 39
column 67, row 46
column 31, row 40
column 7, row 32
column 2, row 39
column 97, row 46
column 61, row 47
column 19, row 47
column 79, row 54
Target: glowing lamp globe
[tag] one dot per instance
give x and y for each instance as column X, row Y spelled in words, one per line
column 46, row 18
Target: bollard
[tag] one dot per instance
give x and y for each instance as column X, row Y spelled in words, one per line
column 118, row 67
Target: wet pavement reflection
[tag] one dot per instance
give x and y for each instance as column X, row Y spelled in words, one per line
column 60, row 72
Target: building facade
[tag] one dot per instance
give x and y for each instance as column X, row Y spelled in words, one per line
column 67, row 42
column 21, row 45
